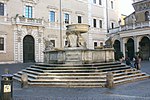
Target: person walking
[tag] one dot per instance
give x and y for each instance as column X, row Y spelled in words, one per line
column 137, row 62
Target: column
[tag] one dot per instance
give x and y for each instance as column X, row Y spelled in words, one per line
column 136, row 44
column 122, row 42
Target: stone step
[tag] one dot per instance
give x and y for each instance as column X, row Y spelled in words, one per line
column 79, row 65
column 57, row 73
column 72, row 77
column 126, row 73
column 124, row 70
column 79, row 76
column 18, row 77
column 63, row 70
column 29, row 75
column 128, row 76
column 69, row 80
column 133, row 79
column 69, row 84
column 101, row 76
column 74, row 67
column 79, row 70
column 31, row 72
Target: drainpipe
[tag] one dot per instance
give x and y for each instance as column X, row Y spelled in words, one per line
column 107, row 15
column 60, row 5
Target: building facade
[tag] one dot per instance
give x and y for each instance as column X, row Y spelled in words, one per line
column 134, row 36
column 27, row 25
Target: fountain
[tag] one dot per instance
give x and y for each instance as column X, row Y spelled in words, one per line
column 77, row 66
column 75, row 51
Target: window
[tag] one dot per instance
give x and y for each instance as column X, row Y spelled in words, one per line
column 28, row 12
column 147, row 16
column 112, row 25
column 94, row 22
column 100, row 2
column 112, row 4
column 52, row 16
column 1, row 9
column 79, row 19
column 1, row 43
column 100, row 23
column 95, row 44
column 101, row 43
column 53, row 42
column 94, row 1
column 66, row 18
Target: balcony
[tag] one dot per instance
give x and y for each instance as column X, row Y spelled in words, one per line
column 5, row 19
column 132, row 26
column 27, row 21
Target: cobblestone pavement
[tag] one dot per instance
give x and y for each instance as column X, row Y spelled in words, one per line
column 132, row 91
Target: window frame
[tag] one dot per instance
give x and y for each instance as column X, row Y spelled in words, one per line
column 4, row 37
column 100, row 23
column 2, row 11
column 147, row 15
column 54, row 42
column 94, row 1
column 112, row 5
column 112, row 25
column 52, row 15
column 79, row 19
column 66, row 18
column 94, row 23
column 28, row 11
column 95, row 44
column 100, row 2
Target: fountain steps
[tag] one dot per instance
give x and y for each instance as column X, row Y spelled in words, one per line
column 91, row 76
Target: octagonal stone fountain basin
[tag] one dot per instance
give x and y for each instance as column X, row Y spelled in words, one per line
column 82, row 28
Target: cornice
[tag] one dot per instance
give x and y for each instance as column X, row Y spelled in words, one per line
column 30, row 1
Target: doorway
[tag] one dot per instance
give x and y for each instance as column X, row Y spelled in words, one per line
column 28, row 49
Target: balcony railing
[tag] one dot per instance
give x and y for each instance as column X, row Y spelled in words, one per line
column 5, row 19
column 132, row 26
column 28, row 21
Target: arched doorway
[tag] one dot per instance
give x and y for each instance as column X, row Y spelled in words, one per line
column 28, row 49
column 130, row 49
column 145, row 48
column 117, row 49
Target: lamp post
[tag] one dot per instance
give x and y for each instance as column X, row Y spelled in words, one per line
column 60, row 4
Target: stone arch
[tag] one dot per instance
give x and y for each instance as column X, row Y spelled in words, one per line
column 117, row 48
column 129, row 48
column 145, row 47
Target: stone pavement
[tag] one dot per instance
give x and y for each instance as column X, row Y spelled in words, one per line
column 132, row 91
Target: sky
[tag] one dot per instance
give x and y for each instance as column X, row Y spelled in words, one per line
column 126, row 7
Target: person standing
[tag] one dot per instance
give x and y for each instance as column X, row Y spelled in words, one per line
column 128, row 62
column 137, row 62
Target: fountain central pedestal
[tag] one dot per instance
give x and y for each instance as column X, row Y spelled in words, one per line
column 76, row 52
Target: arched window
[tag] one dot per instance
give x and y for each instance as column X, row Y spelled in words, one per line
column 147, row 16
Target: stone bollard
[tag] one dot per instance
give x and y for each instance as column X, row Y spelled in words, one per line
column 109, row 80
column 24, row 80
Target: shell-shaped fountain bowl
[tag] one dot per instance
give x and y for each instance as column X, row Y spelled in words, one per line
column 82, row 28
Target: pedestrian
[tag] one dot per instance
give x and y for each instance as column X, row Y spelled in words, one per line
column 137, row 62
column 128, row 62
